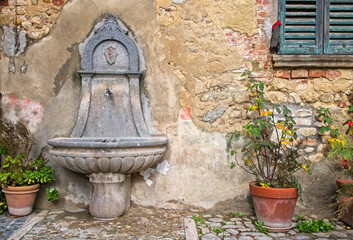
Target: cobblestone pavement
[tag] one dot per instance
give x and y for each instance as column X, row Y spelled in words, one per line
column 148, row 223
column 243, row 228
column 138, row 223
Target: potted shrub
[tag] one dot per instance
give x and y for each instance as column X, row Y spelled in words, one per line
column 21, row 176
column 341, row 150
column 271, row 154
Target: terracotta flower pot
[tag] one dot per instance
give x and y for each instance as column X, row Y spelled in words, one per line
column 20, row 200
column 347, row 218
column 274, row 206
column 340, row 182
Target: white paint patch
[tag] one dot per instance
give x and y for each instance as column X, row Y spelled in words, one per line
column 146, row 174
column 79, row 194
column 268, row 28
column 163, row 167
column 149, row 182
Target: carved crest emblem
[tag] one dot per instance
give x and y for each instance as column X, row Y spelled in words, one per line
column 111, row 53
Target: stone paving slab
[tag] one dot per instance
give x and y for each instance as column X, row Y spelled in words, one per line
column 138, row 223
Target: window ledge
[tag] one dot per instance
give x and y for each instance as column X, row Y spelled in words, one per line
column 320, row 61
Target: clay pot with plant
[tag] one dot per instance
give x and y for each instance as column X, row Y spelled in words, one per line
column 21, row 176
column 271, row 154
column 341, row 151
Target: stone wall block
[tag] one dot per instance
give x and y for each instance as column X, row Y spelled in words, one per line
column 276, row 97
column 309, row 149
column 341, row 85
column 326, row 98
column 22, row 3
column 4, row 19
column 310, row 142
column 308, row 132
column 301, row 113
column 316, row 157
column 235, row 114
column 303, row 121
column 214, row 114
column 241, row 97
column 323, row 85
column 294, row 98
column 299, row 73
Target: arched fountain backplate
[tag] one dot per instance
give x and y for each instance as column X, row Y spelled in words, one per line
column 110, row 139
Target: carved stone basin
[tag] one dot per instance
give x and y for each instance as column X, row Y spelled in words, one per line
column 108, row 155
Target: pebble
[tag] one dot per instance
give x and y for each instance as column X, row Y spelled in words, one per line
column 230, row 238
column 216, row 220
column 210, row 236
column 232, row 231
column 339, row 234
column 229, row 226
column 214, row 225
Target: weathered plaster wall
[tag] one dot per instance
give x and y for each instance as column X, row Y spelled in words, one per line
column 195, row 53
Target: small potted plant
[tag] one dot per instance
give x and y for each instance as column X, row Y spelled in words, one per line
column 21, row 176
column 341, row 150
column 271, row 154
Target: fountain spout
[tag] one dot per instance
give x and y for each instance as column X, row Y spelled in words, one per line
column 108, row 93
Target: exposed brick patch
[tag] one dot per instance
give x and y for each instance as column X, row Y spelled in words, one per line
column 253, row 48
column 185, row 114
column 299, row 73
column 58, row 2
column 310, row 142
column 317, row 73
column 266, row 65
column 333, row 74
column 301, row 81
column 24, row 109
column 282, row 74
column 262, row 74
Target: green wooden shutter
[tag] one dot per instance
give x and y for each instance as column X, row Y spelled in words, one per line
column 301, row 30
column 339, row 27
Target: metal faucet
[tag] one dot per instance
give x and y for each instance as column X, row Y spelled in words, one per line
column 108, row 93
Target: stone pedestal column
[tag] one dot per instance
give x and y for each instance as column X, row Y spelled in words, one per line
column 111, row 195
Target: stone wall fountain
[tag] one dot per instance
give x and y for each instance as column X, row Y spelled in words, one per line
column 110, row 139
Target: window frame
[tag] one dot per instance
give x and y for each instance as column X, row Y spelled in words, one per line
column 323, row 45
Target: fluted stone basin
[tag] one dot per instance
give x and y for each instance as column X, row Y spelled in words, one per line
column 108, row 155
column 108, row 162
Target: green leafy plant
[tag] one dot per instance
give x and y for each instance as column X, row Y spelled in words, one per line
column 238, row 214
column 3, row 205
column 198, row 219
column 17, row 169
column 343, row 199
column 300, row 217
column 52, row 194
column 271, row 151
column 217, row 230
column 260, row 227
column 314, row 226
column 341, row 150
